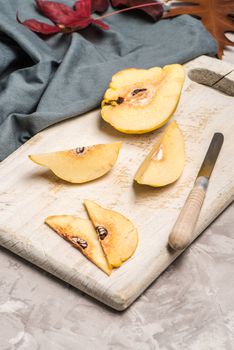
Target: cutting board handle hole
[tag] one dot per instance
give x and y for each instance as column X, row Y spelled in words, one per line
column 214, row 80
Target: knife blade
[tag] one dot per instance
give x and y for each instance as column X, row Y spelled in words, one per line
column 182, row 232
column 211, row 156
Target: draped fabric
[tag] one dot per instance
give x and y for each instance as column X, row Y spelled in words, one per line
column 47, row 80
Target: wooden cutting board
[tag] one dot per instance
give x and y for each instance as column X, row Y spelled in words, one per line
column 29, row 193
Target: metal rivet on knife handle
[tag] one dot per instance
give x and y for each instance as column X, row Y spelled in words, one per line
column 182, row 233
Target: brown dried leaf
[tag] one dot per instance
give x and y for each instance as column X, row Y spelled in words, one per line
column 216, row 15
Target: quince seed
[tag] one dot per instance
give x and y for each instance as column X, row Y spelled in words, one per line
column 80, row 241
column 101, row 231
column 136, row 91
column 80, row 150
column 120, row 100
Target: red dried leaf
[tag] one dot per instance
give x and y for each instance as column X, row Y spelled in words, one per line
column 100, row 6
column 100, row 24
column 155, row 11
column 83, row 8
column 57, row 12
column 68, row 20
column 40, row 27
column 81, row 23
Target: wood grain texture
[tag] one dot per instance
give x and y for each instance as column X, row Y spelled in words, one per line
column 182, row 232
column 29, row 193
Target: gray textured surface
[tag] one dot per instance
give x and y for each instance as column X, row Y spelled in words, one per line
column 191, row 306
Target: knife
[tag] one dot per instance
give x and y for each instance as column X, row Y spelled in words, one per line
column 182, row 233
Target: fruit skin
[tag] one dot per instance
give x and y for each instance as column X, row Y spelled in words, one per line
column 122, row 237
column 82, row 164
column 68, row 227
column 164, row 86
column 165, row 162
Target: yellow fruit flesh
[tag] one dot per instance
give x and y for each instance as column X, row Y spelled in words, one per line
column 165, row 162
column 121, row 237
column 147, row 110
column 71, row 227
column 78, row 167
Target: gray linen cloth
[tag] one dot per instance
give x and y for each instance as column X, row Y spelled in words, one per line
column 46, row 80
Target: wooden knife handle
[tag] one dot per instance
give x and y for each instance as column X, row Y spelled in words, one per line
column 182, row 232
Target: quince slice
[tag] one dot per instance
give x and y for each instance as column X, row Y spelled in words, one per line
column 117, row 234
column 81, row 234
column 165, row 162
column 82, row 164
column 140, row 100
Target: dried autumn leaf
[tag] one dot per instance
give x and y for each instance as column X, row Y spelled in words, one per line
column 216, row 15
column 57, row 12
column 99, row 6
column 66, row 20
column 69, row 20
column 100, row 24
column 40, row 27
column 155, row 11
column 83, row 8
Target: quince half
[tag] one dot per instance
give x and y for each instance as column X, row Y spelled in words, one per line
column 82, row 235
column 165, row 162
column 141, row 100
column 117, row 234
column 82, row 164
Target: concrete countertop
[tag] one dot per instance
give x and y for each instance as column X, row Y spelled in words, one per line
column 190, row 306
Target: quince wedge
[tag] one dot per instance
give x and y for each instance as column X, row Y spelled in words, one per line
column 82, row 235
column 165, row 162
column 82, row 164
column 117, row 234
column 141, row 100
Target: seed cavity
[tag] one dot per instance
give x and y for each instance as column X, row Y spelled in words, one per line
column 158, row 155
column 120, row 100
column 136, row 91
column 108, row 103
column 140, row 96
column 114, row 102
column 82, row 243
column 80, row 150
column 101, row 231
